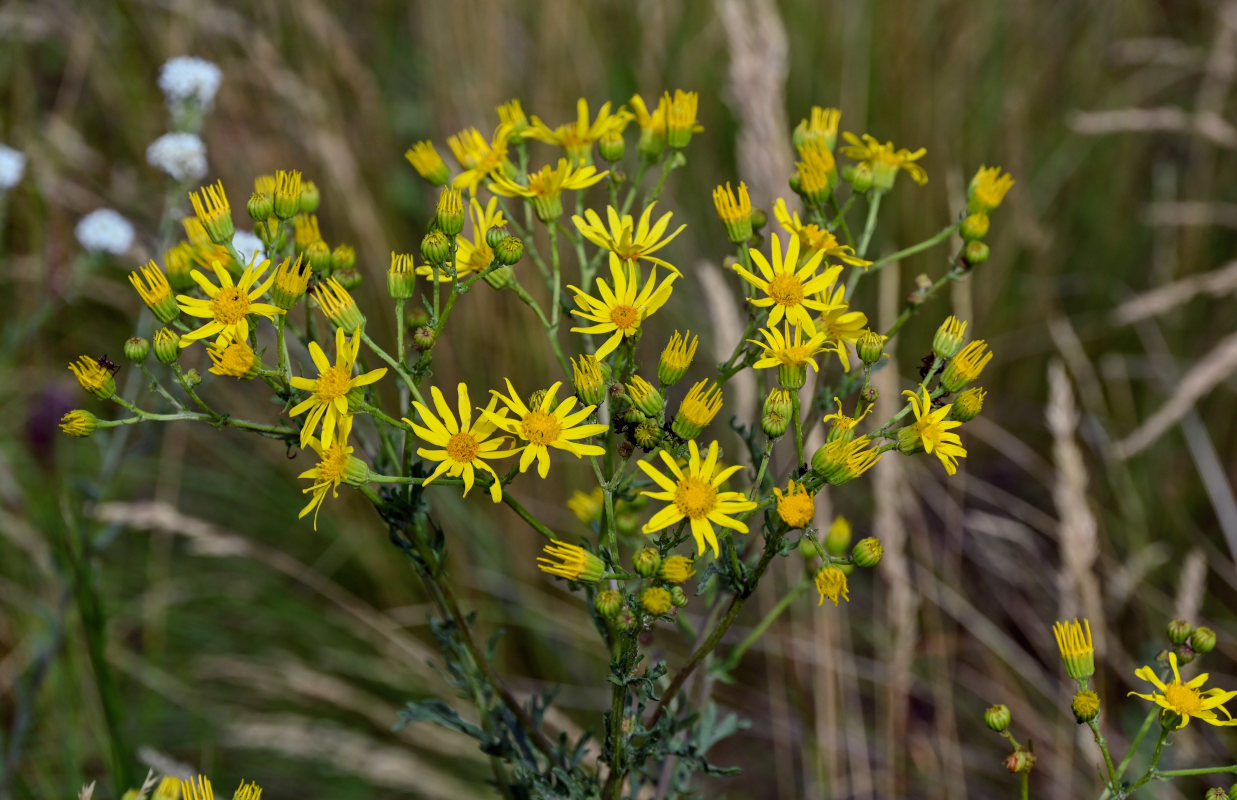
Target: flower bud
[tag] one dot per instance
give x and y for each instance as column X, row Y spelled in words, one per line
column 861, row 177
column 311, row 198
column 867, row 552
column 871, row 347
column 792, row 376
column 291, row 282
column 586, row 376
column 167, row 346
column 974, row 227
column 656, row 601
column 807, row 548
column 214, row 212
column 499, row 277
column 676, row 569
column 644, row 397
column 949, row 337
column 418, row 316
column 1203, row 640
column 735, row 212
column 678, row 597
column 401, row 277
column 1179, row 631
column 759, row 219
column 676, row 358
column 178, row 263
column 967, row 405
column 349, row 278
column 646, row 562
column 998, row 718
column 450, row 212
column 612, row 146
column 510, row 250
column 423, row 338
column 495, row 235
column 775, row 415
column 94, row 377
column 436, row 247
column 260, row 206
column 647, row 434
column 627, row 523
column 975, row 253
column 343, row 257
column 428, row 163
column 287, row 200
column 625, row 620
column 1020, row 761
column 608, row 603
column 1086, row 706
column 1216, row 793
column 79, row 423
column 136, row 349
column 193, row 379
column 837, row 538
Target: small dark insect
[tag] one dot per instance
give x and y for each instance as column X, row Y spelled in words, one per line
column 107, row 364
column 925, row 365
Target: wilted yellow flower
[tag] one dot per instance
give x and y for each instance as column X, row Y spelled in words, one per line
column 675, row 569
column 831, row 583
column 228, row 306
column 694, row 495
column 198, row 788
column 152, row 286
column 676, row 358
column 885, row 160
column 464, row 445
column 841, row 324
column 236, row 359
column 328, row 400
column 547, row 425
column 843, row 427
column 623, row 237
column 512, row 113
column 841, row 461
column 797, row 508
column 790, row 290
column 577, row 137
column 1187, row 700
column 652, row 126
column 336, row 465
column 622, row 310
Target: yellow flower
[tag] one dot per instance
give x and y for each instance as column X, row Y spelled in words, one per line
column 214, row 212
column 545, row 187
column 790, row 290
column 820, row 129
column 168, row 789
column 155, row 292
column 336, row 465
column 676, row 358
column 512, row 113
column 656, row 601
column 965, row 367
column 815, row 239
column 248, row 791
column 480, row 159
column 680, row 117
column 1077, row 651
column 79, row 423
column 287, row 193
column 93, row 376
column 630, row 242
column 831, row 583
column 339, row 306
column 305, row 231
column 428, row 163
column 464, row 445
column 885, row 160
column 571, row 562
column 229, row 304
column 987, row 189
column 235, row 359
column 785, row 350
column 328, row 402
column 818, row 173
column 547, row 425
column 841, row 461
column 622, row 310
column 652, row 126
column 587, row 507
column 932, row 430
column 291, row 281
column 577, row 137
column 675, row 569
column 841, row 324
column 735, row 212
column 1187, row 700
column 797, row 508
column 697, row 410
column 694, row 495
column 197, row 789
column 843, row 427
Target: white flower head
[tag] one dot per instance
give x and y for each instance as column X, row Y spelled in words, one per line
column 247, row 246
column 189, row 79
column 105, row 231
column 12, row 166
column 181, row 155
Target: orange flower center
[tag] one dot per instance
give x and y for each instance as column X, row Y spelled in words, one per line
column 230, row 305
column 797, row 510
column 331, row 467
column 335, row 382
column 1184, row 700
column 625, row 317
column 694, row 498
column 786, row 290
column 462, row 447
column 540, row 428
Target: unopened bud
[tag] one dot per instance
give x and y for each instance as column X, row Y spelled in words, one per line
column 998, row 718
column 136, row 349
column 646, row 562
column 867, row 552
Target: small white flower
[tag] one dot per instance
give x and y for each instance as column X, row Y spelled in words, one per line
column 188, row 79
column 181, row 155
column 247, row 246
column 12, row 165
column 105, row 231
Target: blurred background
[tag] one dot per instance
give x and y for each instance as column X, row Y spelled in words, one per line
column 1099, row 480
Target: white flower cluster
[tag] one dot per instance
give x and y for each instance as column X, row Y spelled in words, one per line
column 181, row 155
column 188, row 79
column 247, row 247
column 105, row 231
column 12, row 165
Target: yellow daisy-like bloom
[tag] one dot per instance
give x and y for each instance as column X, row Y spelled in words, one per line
column 676, row 357
column 629, row 241
column 842, row 325
column 815, row 239
column 545, row 426
column 818, row 172
column 831, row 583
column 577, row 137
column 680, row 117
column 328, row 401
column 479, row 158
column 156, row 293
column 228, row 305
column 965, row 367
column 472, row 255
column 790, row 289
column 545, row 186
column 1077, row 651
column 695, row 495
column 819, row 129
column 198, row 788
column 697, row 410
column 797, row 508
column 735, row 212
column 428, row 163
column 236, row 360
column 214, row 212
column 336, row 465
column 465, row 445
column 1187, row 700
column 622, row 310
column 571, row 562
column 587, row 507
column 787, row 350
column 885, row 160
column 652, row 126
column 988, row 189
column 932, row 430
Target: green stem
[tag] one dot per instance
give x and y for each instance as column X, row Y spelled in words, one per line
column 1026, row 786
column 1178, row 773
column 1138, row 739
column 555, row 279
column 1155, row 761
column 618, row 708
column 285, row 363
column 912, row 309
column 1103, row 745
column 736, row 654
column 798, row 421
column 525, row 515
column 395, row 365
column 915, row 248
column 869, row 227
